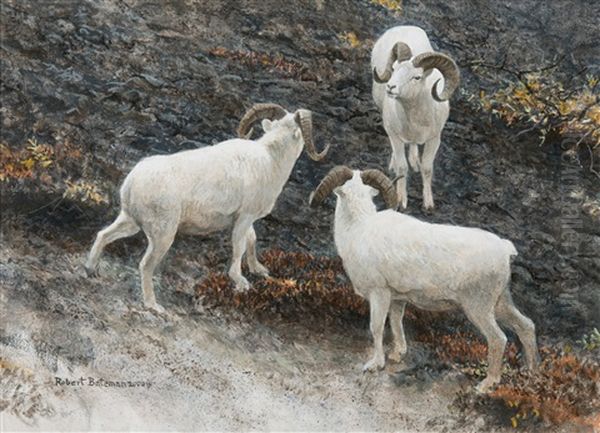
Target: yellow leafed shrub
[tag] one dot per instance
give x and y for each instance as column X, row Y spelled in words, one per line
column 391, row 5
column 25, row 163
column 84, row 191
column 549, row 106
column 350, row 39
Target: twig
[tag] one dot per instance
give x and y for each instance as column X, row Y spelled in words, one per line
column 585, row 110
column 524, row 131
column 582, row 138
column 302, row 243
column 592, row 162
column 55, row 201
column 520, row 75
column 545, row 68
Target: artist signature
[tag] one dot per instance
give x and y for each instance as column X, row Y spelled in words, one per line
column 101, row 382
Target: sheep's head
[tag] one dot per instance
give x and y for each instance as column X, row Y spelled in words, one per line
column 355, row 185
column 273, row 116
column 405, row 75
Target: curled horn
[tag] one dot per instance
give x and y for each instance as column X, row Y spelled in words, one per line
column 446, row 66
column 400, row 52
column 257, row 112
column 378, row 180
column 304, row 119
column 337, row 176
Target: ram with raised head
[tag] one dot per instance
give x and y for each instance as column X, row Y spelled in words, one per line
column 230, row 184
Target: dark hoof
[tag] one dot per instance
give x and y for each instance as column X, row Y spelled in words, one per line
column 91, row 272
column 428, row 210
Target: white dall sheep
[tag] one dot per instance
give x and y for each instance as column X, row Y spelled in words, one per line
column 407, row 78
column 233, row 183
column 393, row 259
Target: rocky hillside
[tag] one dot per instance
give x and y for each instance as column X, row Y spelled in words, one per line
column 91, row 87
column 119, row 80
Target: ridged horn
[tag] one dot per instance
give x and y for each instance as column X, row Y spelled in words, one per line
column 446, row 66
column 400, row 52
column 304, row 119
column 258, row 112
column 337, row 176
column 376, row 179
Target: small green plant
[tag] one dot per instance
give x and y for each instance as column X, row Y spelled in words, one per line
column 590, row 341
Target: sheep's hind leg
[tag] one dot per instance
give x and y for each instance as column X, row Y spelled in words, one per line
column 253, row 264
column 512, row 318
column 429, row 152
column 496, row 341
column 158, row 245
column 122, row 227
column 379, row 304
column 396, row 316
column 399, row 166
column 239, row 243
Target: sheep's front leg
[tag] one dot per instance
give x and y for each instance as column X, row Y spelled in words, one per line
column 253, row 264
column 429, row 151
column 399, row 166
column 396, row 316
column 379, row 303
column 238, row 241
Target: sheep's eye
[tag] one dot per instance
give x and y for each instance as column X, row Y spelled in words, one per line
column 417, row 78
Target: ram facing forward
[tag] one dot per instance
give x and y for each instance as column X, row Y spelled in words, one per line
column 393, row 259
column 407, row 77
column 233, row 183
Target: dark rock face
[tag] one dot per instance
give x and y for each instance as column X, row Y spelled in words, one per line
column 134, row 78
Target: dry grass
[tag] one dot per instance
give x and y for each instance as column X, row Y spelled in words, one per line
column 20, row 393
column 566, row 389
column 273, row 63
column 300, row 284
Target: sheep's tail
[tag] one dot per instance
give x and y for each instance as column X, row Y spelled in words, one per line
column 125, row 191
column 510, row 249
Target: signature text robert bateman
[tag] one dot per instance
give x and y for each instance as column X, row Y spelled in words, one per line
column 100, row 382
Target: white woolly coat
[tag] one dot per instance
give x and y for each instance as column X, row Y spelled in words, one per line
column 203, row 190
column 433, row 266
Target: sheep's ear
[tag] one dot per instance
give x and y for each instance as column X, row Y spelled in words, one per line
column 339, row 192
column 267, row 125
column 427, row 72
column 373, row 191
column 297, row 134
